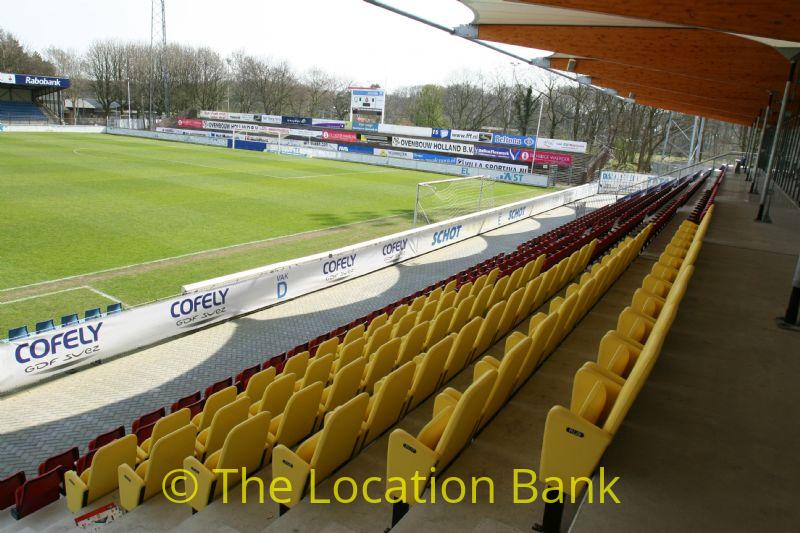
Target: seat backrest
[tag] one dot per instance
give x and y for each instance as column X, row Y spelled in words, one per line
column 429, row 370
column 300, row 414
column 244, row 448
column 319, row 370
column 529, row 297
column 463, row 292
column 536, row 352
column 168, row 424
column 509, row 318
column 463, row 421
column 506, row 377
column 388, row 401
column 277, row 394
column 9, row 486
column 380, row 320
column 440, row 326
column 413, row 343
column 463, row 313
column 463, row 348
column 404, row 325
column 479, row 284
column 489, row 327
column 105, row 438
column 167, row 455
column 37, row 493
column 499, row 291
column 218, row 386
column 258, row 382
column 298, row 364
column 339, row 435
column 147, row 419
column 349, row 353
column 103, row 474
column 418, row 303
column 345, row 384
column 481, row 301
column 428, row 312
column 380, row 336
column 354, row 333
column 445, row 301
column 593, row 404
column 224, row 421
column 324, row 348
column 65, row 459
column 381, row 363
column 399, row 312
column 214, row 403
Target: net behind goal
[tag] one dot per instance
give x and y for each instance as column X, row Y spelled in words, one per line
column 449, row 198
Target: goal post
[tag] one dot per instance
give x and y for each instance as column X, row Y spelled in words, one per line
column 449, row 198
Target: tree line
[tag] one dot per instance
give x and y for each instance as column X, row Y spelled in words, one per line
column 627, row 134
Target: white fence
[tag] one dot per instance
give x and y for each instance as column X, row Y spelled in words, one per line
column 53, row 128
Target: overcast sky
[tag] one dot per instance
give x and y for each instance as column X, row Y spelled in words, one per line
column 351, row 38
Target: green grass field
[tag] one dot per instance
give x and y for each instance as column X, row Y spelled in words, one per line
column 83, row 217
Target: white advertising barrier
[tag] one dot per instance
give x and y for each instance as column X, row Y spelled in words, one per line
column 415, row 131
column 232, row 126
column 241, row 117
column 37, row 357
column 612, row 181
column 561, row 145
column 53, row 128
column 491, row 165
column 169, row 136
column 433, row 145
column 472, row 136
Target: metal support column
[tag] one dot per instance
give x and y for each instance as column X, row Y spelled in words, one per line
column 692, row 142
column 763, row 210
column 790, row 319
column 748, row 153
column 754, row 172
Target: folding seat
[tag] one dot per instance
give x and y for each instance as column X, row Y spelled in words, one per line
column 211, row 439
column 257, row 383
column 298, row 418
column 399, row 312
column 101, row 477
column 529, row 298
column 91, row 314
column 670, row 260
column 489, row 327
column 356, row 332
column 324, row 348
column 463, row 349
column 492, row 276
column 418, row 303
column 243, row 377
column 162, row 427
column 380, row 364
column 298, row 364
column 324, row 452
column 479, row 284
column 244, row 448
column 66, row 460
column 379, row 337
column 378, row 321
column 218, row 386
column 105, row 438
column 69, row 320
column 143, row 433
column 437, row 443
column 440, row 326
column 539, row 334
column 345, row 386
column 36, row 493
column 213, row 404
column 139, row 485
column 84, row 461
column 446, row 300
column 413, row 343
column 9, row 486
column 347, row 354
column 45, row 325
column 462, row 314
column 319, row 370
column 509, row 318
column 275, row 395
column 276, row 362
column 434, row 294
column 507, row 371
column 428, row 372
column 451, row 285
column 514, row 281
column 386, row 403
column 498, row 291
column 428, row 312
column 482, row 302
column 148, row 419
column 635, row 325
column 463, row 293
column 647, row 303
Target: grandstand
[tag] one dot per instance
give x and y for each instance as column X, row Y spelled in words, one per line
column 597, row 358
column 31, row 99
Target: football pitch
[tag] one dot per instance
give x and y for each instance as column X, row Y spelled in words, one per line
column 89, row 219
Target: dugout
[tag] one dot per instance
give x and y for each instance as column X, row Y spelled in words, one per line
column 31, row 99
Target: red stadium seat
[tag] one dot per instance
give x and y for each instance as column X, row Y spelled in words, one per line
column 244, row 376
column 186, row 401
column 8, row 487
column 66, row 460
column 147, row 419
column 84, row 462
column 105, row 438
column 37, row 493
column 218, row 386
column 144, row 432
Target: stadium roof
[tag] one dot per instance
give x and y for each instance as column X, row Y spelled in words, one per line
column 716, row 59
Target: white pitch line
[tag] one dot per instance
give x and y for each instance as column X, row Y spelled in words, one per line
column 43, row 295
column 105, row 295
column 190, row 254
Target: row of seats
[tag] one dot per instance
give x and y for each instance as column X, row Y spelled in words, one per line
column 705, row 202
column 604, row 390
column 476, row 284
column 66, row 320
column 459, row 416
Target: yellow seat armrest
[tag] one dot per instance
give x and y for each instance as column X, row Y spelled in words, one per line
column 130, row 487
column 289, row 465
column 406, row 457
column 200, row 483
column 76, row 489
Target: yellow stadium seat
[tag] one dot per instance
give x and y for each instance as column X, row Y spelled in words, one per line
column 428, row 312
column 462, row 314
column 479, row 284
column 244, row 448
column 101, row 477
column 509, row 318
column 376, row 323
column 428, row 372
column 463, row 349
column 345, row 386
column 539, row 335
column 435, row 446
column 514, row 280
column 492, row 276
column 386, row 404
column 211, row 439
column 418, row 303
column 405, row 324
column 275, row 396
column 353, row 334
column 399, row 312
column 489, row 328
column 325, row 347
column 434, row 295
column 379, row 337
column 482, row 301
column 446, row 300
column 451, row 286
column 164, row 426
column 347, row 354
column 319, row 370
column 465, row 291
column 439, row 326
column 138, row 486
column 298, row 418
column 529, row 297
column 380, row 364
column 298, row 364
column 323, row 452
column 412, row 344
column 498, row 291
column 257, row 383
column 214, row 403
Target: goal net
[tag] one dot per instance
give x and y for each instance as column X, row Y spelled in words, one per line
column 449, row 198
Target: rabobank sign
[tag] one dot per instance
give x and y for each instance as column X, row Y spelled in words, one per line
column 198, row 309
column 41, row 81
column 63, row 346
column 525, row 141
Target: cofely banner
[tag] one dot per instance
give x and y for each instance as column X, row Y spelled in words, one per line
column 31, row 359
column 433, row 146
column 522, row 141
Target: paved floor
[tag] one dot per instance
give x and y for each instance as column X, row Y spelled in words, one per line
column 53, row 416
